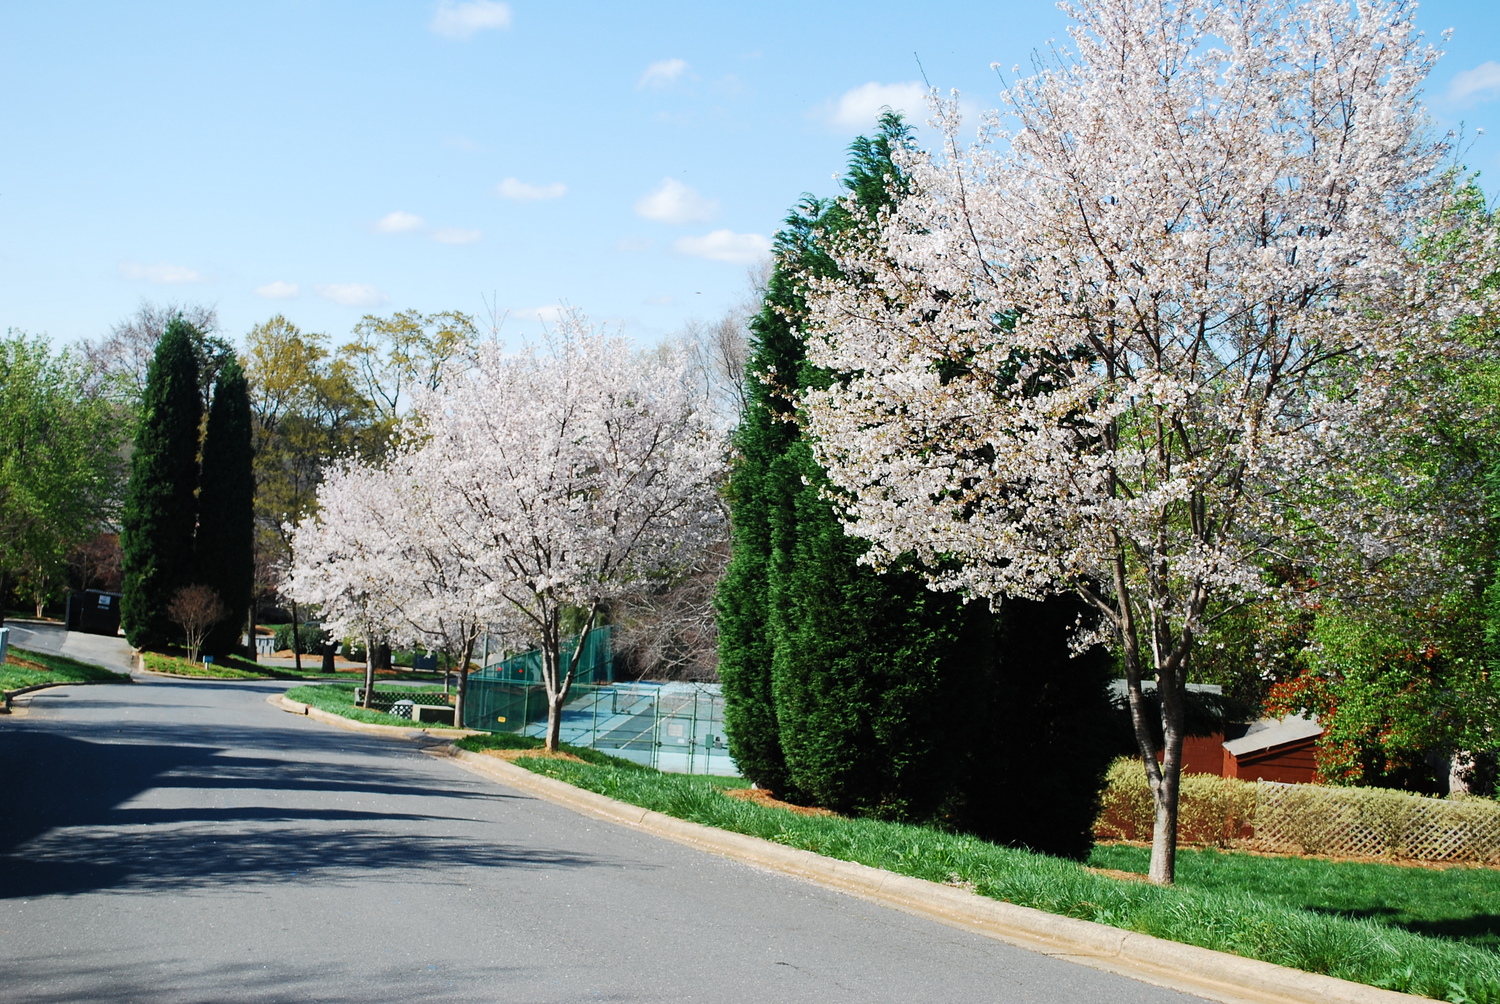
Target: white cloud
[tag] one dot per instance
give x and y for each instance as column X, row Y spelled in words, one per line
column 399, row 223
column 351, row 294
column 278, row 290
column 162, row 272
column 726, row 245
column 455, row 235
column 674, row 202
column 860, row 108
column 662, row 72
column 464, row 20
column 1482, row 82
column 547, row 315
column 518, row 191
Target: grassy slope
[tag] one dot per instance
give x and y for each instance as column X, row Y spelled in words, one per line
column 232, row 667
column 1458, row 903
column 60, row 669
column 1230, row 918
column 338, row 699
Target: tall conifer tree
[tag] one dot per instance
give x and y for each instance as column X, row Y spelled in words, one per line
column 225, row 546
column 156, row 538
column 865, row 691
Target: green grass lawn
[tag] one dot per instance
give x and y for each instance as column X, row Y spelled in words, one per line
column 338, row 699
column 1458, row 903
column 56, row 669
column 232, row 667
column 1256, row 915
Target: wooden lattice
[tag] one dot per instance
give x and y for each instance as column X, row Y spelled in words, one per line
column 1374, row 823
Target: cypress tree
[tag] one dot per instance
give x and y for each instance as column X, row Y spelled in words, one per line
column 867, row 692
column 224, row 550
column 742, row 600
column 156, row 537
column 1034, row 773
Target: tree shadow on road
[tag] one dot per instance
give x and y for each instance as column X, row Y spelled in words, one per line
column 73, row 823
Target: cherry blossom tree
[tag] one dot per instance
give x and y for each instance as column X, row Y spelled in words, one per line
column 572, row 470
column 347, row 559
column 1147, row 341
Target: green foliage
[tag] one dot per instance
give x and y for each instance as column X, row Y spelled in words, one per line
column 1238, row 919
column 160, row 508
column 876, row 679
column 48, row 668
column 60, row 467
column 310, row 638
column 224, row 549
column 1398, row 695
column 1040, row 734
column 1211, row 810
column 231, row 667
column 867, row 692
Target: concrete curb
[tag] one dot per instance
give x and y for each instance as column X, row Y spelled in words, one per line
column 391, row 731
column 5, row 704
column 1215, row 975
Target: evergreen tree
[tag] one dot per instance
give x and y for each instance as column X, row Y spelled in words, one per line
column 224, row 550
column 867, row 692
column 156, row 538
column 742, row 601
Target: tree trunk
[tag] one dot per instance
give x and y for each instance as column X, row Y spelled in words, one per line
column 463, row 684
column 1163, row 870
column 369, row 670
column 328, row 667
column 252, row 652
column 557, row 690
column 296, row 640
column 554, row 721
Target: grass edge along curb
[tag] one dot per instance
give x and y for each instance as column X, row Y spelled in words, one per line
column 394, row 731
column 1205, row 972
column 58, row 663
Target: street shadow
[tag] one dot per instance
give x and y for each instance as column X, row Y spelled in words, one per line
column 70, row 825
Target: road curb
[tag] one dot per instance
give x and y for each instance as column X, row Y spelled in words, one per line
column 1218, row 976
column 392, row 731
column 5, row 703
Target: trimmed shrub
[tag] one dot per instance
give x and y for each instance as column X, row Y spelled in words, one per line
column 1212, row 810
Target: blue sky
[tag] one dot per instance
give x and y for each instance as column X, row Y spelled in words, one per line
column 328, row 159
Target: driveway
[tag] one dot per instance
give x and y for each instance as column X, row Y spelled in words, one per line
column 176, row 841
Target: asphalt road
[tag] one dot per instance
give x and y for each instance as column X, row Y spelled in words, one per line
column 176, row 841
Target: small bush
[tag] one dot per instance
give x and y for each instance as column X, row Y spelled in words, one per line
column 310, row 638
column 1211, row 810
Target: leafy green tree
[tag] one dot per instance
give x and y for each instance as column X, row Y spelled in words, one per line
column 224, row 549
column 61, row 471
column 305, row 410
column 160, row 504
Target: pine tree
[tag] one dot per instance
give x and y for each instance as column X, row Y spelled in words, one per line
column 156, row 536
column 224, row 550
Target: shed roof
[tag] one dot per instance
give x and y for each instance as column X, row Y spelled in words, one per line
column 1269, row 732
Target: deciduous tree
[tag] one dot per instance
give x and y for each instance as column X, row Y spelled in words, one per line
column 576, row 468
column 1143, row 349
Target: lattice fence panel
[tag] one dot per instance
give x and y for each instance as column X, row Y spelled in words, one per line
column 1372, row 823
